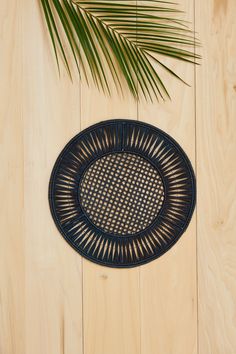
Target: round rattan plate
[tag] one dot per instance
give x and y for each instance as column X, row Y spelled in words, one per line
column 122, row 192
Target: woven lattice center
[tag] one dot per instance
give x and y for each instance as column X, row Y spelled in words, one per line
column 121, row 193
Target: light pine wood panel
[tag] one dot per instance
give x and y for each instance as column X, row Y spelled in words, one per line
column 216, row 170
column 12, row 265
column 53, row 276
column 51, row 300
column 110, row 296
column 168, row 285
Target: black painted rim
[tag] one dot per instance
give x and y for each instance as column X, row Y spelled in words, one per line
column 153, row 246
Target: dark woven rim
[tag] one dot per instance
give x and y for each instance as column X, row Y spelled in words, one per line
column 122, row 192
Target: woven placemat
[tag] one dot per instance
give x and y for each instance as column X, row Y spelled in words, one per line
column 122, row 192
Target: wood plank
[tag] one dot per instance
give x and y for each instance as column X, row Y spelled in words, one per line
column 216, row 149
column 148, row 310
column 110, row 296
column 12, row 266
column 51, row 104
column 168, row 284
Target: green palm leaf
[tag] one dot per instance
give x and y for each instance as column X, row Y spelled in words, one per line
column 123, row 36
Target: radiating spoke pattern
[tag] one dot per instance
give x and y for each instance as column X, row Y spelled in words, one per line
column 122, row 192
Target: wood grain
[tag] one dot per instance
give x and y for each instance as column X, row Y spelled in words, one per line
column 51, row 300
column 12, row 265
column 51, row 112
column 168, row 285
column 216, row 170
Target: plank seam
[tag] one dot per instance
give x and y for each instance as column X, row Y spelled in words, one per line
column 195, row 120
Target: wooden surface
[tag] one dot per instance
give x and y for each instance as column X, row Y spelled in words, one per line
column 216, row 170
column 51, row 300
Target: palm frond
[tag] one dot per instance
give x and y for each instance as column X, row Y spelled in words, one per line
column 123, row 36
